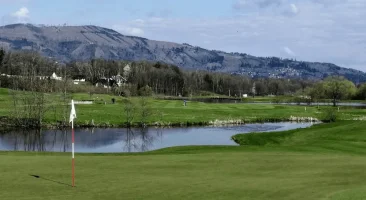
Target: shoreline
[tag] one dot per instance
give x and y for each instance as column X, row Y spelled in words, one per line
column 216, row 122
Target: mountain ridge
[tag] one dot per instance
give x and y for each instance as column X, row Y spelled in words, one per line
column 80, row 43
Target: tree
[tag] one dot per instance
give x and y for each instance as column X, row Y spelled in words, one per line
column 144, row 110
column 337, row 88
column 2, row 56
column 260, row 88
column 29, row 88
column 316, row 92
column 361, row 92
column 145, row 91
column 129, row 111
column 276, row 87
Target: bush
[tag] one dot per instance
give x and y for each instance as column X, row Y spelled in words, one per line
column 120, row 91
column 145, row 91
column 298, row 100
column 330, row 115
column 277, row 100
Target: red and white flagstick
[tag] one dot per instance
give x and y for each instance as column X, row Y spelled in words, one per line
column 72, row 117
column 73, row 157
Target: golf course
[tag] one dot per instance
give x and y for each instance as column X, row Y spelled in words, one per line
column 326, row 161
column 183, row 100
column 103, row 113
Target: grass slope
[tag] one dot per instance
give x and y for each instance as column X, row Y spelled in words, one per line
column 344, row 136
column 323, row 162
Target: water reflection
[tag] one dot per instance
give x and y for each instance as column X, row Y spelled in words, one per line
column 140, row 140
column 35, row 140
column 129, row 140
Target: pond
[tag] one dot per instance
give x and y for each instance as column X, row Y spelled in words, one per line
column 130, row 140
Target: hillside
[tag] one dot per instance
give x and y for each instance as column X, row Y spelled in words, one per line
column 68, row 43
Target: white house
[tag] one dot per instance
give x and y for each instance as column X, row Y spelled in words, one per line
column 55, row 77
column 120, row 80
column 78, row 79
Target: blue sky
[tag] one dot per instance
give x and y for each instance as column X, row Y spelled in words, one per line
column 313, row 30
column 112, row 11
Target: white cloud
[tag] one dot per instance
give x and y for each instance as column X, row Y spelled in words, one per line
column 294, row 8
column 288, row 51
column 21, row 13
column 19, row 16
column 133, row 31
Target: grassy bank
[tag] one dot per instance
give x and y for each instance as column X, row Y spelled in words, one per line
column 344, row 136
column 323, row 162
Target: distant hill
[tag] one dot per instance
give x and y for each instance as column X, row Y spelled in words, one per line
column 68, row 43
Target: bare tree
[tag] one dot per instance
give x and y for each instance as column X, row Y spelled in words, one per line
column 29, row 89
column 144, row 110
column 129, row 111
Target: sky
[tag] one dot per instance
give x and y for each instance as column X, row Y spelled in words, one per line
column 332, row 31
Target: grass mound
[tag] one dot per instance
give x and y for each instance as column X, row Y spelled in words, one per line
column 344, row 136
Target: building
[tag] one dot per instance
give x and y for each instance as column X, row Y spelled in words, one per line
column 78, row 79
column 55, row 77
column 114, row 81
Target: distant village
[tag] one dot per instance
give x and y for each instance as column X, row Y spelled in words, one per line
column 106, row 82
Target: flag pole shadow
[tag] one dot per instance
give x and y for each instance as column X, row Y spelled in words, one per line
column 46, row 179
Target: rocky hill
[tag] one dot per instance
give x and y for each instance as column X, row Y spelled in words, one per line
column 68, row 43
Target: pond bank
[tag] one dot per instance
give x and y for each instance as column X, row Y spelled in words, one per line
column 9, row 123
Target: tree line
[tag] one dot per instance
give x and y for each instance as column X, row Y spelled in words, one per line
column 336, row 88
column 159, row 78
column 143, row 77
column 29, row 71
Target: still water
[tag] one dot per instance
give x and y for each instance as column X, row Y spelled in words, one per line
column 130, row 140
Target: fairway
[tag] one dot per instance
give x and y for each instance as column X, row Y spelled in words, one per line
column 296, row 168
column 103, row 113
column 209, row 175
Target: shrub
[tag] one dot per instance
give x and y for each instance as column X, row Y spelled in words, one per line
column 277, row 100
column 145, row 91
column 330, row 115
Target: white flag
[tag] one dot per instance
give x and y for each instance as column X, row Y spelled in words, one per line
column 73, row 112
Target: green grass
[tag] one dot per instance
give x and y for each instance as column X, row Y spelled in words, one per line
column 344, row 136
column 326, row 161
column 172, row 112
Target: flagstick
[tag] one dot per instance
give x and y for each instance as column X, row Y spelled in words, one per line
column 72, row 117
column 73, row 161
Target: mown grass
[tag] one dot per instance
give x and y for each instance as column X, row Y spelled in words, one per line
column 326, row 161
column 343, row 136
column 171, row 112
